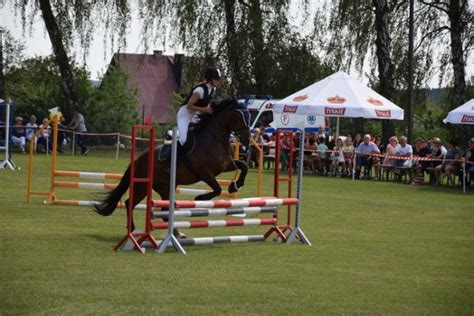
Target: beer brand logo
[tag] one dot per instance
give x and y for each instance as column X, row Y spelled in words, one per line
column 285, row 119
column 290, row 108
column 383, row 113
column 300, row 98
column 336, row 100
column 467, row 119
column 334, row 111
column 374, row 101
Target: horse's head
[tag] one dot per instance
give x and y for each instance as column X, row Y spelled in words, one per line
column 235, row 116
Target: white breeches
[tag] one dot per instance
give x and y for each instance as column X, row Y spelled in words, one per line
column 185, row 117
column 19, row 140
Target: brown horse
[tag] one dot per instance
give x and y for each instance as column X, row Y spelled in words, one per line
column 210, row 155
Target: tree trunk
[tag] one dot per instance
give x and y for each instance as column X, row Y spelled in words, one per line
column 256, row 35
column 62, row 59
column 457, row 57
column 2, row 75
column 385, row 64
column 232, row 49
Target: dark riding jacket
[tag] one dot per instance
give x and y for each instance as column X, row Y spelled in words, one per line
column 204, row 101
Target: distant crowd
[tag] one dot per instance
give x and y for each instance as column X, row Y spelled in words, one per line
column 366, row 156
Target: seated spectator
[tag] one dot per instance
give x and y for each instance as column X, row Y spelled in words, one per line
column 323, row 163
column 31, row 128
column 43, row 137
column 364, row 158
column 469, row 156
column 390, row 162
column 337, row 158
column 348, row 150
column 448, row 166
column 18, row 134
column 403, row 150
column 422, row 150
column 438, row 152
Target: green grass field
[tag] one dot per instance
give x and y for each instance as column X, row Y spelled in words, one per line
column 378, row 248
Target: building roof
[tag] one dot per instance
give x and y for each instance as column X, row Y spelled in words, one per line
column 155, row 77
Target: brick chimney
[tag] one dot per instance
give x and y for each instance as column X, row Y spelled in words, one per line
column 178, row 69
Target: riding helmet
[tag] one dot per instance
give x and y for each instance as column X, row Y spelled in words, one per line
column 212, row 74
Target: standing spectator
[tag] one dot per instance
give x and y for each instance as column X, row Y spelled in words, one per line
column 31, row 127
column 285, row 145
column 364, row 158
column 338, row 160
column 79, row 125
column 253, row 152
column 18, row 134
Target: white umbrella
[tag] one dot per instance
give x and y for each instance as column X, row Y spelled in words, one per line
column 338, row 95
column 461, row 115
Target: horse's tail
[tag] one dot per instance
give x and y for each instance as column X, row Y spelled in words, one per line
column 108, row 206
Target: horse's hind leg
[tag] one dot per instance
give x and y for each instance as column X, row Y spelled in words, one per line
column 236, row 185
column 139, row 193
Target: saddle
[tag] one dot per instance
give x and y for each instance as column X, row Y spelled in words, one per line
column 164, row 154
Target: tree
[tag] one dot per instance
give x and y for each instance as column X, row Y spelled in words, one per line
column 455, row 18
column 115, row 105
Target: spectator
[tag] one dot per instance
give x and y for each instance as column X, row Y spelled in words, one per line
column 364, row 158
column 348, row 150
column 324, row 164
column 252, row 158
column 31, row 128
column 389, row 162
column 18, row 134
column 438, row 152
column 422, row 150
column 285, row 145
column 79, row 125
column 337, row 157
column 357, row 140
column 403, row 150
column 43, row 137
column 469, row 156
column 448, row 166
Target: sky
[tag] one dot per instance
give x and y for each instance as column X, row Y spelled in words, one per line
column 38, row 44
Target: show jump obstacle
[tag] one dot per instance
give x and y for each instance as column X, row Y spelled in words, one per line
column 58, row 175
column 177, row 209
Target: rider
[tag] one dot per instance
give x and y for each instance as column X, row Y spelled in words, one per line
column 197, row 100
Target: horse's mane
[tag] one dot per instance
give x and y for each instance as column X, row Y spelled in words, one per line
column 220, row 106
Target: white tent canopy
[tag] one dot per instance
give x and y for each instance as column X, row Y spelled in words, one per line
column 462, row 115
column 338, row 95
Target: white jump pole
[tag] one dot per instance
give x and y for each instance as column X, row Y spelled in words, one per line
column 118, row 146
column 297, row 231
column 7, row 161
column 170, row 237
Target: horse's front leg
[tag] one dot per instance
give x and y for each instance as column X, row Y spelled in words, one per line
column 211, row 181
column 243, row 167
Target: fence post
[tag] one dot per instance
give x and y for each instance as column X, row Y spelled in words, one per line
column 464, row 175
column 118, row 146
column 73, row 143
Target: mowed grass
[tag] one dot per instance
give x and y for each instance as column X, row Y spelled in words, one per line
column 378, row 248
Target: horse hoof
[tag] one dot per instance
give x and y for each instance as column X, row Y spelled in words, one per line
column 233, row 187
